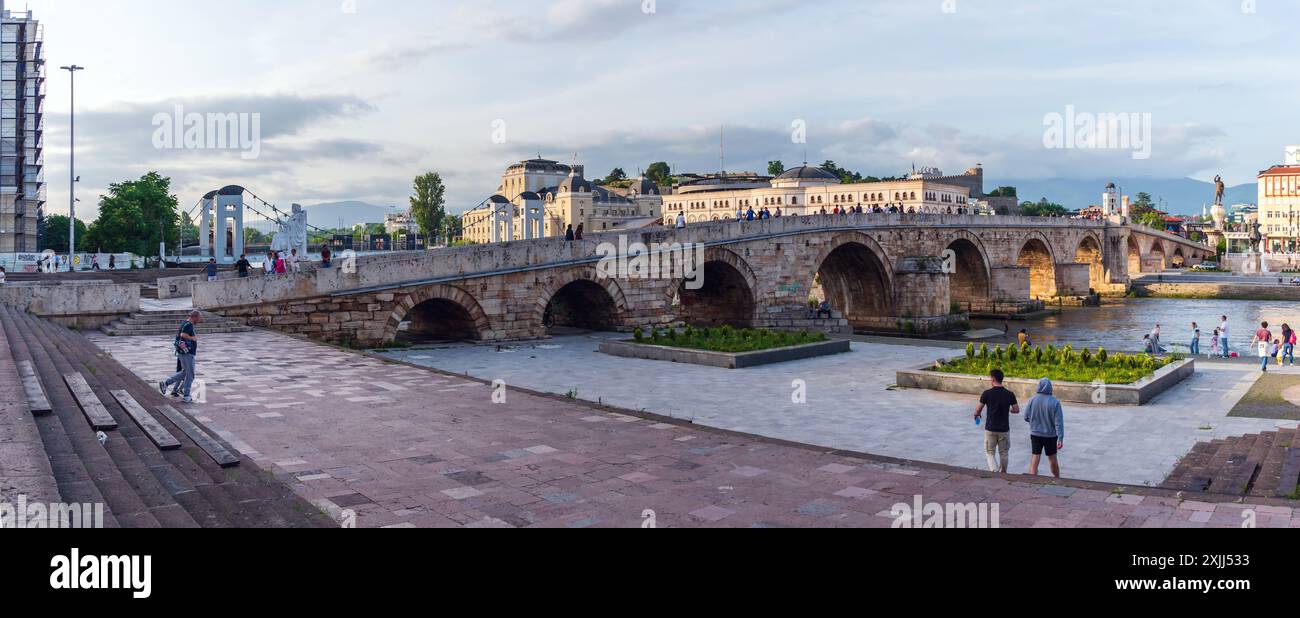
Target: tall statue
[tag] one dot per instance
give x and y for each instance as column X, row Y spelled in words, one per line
column 293, row 233
column 1219, row 189
column 1256, row 238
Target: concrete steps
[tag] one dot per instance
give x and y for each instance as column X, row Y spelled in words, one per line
column 166, row 323
column 139, row 484
column 1263, row 465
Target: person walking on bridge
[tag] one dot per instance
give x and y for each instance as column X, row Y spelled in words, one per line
column 186, row 346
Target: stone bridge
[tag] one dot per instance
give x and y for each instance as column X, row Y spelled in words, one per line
column 881, row 273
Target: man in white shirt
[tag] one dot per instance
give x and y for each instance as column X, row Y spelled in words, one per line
column 681, row 221
column 1223, row 336
column 294, row 262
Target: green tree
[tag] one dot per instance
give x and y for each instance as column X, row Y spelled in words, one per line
column 135, row 216
column 1043, row 208
column 54, row 229
column 659, row 173
column 775, row 168
column 846, row 177
column 1003, row 192
column 429, row 205
column 615, row 175
column 1141, row 207
column 452, row 228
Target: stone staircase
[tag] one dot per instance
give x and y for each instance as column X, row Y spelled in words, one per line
column 1265, row 465
column 166, row 323
column 141, row 484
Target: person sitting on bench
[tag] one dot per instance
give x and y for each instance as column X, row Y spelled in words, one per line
column 825, row 310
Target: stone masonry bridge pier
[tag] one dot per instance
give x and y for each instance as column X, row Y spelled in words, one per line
column 882, row 273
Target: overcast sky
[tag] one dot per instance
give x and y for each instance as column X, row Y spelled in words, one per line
column 356, row 97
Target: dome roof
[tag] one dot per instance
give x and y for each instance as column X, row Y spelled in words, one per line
column 529, row 196
column 643, row 186
column 498, row 199
column 575, row 184
column 210, row 194
column 232, row 190
column 806, row 172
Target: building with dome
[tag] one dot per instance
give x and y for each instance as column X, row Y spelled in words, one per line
column 539, row 198
column 807, row 190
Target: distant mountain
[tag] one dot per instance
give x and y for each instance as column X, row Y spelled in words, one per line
column 327, row 216
column 1183, row 196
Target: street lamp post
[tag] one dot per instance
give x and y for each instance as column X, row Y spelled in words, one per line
column 72, row 167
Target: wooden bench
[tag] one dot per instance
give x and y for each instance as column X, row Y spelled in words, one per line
column 158, row 434
column 91, row 406
column 211, row 446
column 36, row 398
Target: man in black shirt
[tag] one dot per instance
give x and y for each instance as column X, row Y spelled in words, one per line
column 243, row 266
column 1001, row 404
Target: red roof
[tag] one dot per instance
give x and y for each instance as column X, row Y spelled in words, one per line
column 1281, row 170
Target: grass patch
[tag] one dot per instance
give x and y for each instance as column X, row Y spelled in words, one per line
column 727, row 339
column 1063, row 365
column 1266, row 399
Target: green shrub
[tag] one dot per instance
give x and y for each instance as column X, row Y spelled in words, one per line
column 638, row 334
column 1063, row 365
column 728, row 339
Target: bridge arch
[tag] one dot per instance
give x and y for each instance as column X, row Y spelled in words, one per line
column 1036, row 255
column 971, row 277
column 729, row 295
column 1089, row 252
column 857, row 277
column 1178, row 259
column 1157, row 252
column 1134, row 256
column 581, row 298
column 440, row 312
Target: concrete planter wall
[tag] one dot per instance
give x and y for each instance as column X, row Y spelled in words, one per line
column 77, row 304
column 1136, row 394
column 178, row 287
column 724, row 360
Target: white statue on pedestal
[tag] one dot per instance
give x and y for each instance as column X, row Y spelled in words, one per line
column 293, row 233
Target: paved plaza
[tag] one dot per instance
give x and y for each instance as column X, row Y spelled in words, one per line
column 850, row 404
column 406, row 447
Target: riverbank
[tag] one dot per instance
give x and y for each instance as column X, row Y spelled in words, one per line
column 1201, row 290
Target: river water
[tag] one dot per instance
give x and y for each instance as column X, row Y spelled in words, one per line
column 1119, row 325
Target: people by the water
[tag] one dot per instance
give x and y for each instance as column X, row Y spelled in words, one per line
column 1196, row 339
column 1223, row 337
column 1262, row 341
column 1288, row 346
column 1214, row 344
column 1023, row 338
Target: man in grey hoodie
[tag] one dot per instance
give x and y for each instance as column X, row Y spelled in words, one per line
column 1046, row 420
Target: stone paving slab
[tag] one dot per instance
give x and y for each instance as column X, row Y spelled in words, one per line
column 441, row 453
column 851, row 405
